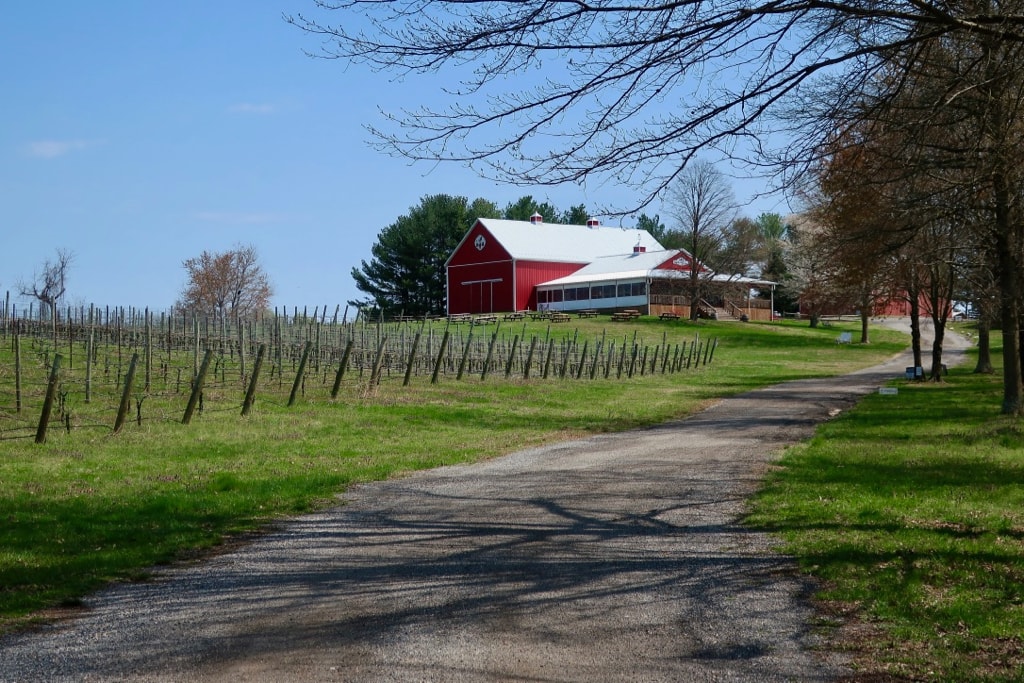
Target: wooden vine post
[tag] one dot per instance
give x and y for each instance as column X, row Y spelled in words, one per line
column 583, row 360
column 511, row 356
column 594, row 362
column 250, row 393
column 299, row 373
column 565, row 363
column 122, row 409
column 440, row 356
column 197, row 387
column 341, row 368
column 465, row 354
column 51, row 391
column 90, row 350
column 17, row 371
column 490, row 354
column 412, row 359
column 378, row 362
column 529, row 358
column 149, row 348
column 241, row 349
column 547, row 358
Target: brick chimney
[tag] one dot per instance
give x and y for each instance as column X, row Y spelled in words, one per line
column 639, row 248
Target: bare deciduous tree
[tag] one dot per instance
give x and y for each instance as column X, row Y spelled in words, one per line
column 703, row 209
column 226, row 283
column 49, row 284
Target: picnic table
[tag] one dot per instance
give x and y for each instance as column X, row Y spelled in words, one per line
column 460, row 318
column 485, row 319
column 539, row 315
column 516, row 315
column 669, row 316
column 628, row 314
column 559, row 317
column 589, row 313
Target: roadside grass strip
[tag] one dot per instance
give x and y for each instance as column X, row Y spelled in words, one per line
column 910, row 509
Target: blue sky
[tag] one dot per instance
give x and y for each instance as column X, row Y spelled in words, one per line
column 138, row 134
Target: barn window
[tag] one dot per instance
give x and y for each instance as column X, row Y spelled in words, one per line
column 582, row 293
column 624, row 289
column 556, row 296
column 570, row 294
column 542, row 296
column 638, row 288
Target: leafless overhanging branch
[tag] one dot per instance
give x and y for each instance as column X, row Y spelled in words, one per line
column 629, row 92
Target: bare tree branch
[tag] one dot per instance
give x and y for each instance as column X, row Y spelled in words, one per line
column 50, row 284
column 629, row 91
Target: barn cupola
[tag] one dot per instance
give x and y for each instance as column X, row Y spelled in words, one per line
column 536, row 218
column 639, row 248
column 593, row 223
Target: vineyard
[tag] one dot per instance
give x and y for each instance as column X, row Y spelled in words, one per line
column 103, row 369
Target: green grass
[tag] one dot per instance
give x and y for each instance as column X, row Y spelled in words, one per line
column 910, row 508
column 89, row 507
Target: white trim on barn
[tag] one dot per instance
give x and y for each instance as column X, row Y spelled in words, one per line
column 623, row 281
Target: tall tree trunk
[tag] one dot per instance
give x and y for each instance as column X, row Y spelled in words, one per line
column 943, row 282
column 914, row 299
column 1009, row 296
column 939, row 323
column 984, row 366
column 694, row 293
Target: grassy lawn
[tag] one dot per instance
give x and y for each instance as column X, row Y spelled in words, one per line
column 910, row 508
column 90, row 506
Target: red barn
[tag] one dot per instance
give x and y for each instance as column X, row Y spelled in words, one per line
column 498, row 264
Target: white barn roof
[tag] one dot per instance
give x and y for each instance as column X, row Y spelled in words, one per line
column 617, row 267
column 565, row 243
column 640, row 265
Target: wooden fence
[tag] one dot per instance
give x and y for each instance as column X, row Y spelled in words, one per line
column 89, row 367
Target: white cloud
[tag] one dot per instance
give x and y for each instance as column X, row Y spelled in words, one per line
column 252, row 108
column 51, row 149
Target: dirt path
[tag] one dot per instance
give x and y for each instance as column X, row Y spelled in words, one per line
column 614, row 558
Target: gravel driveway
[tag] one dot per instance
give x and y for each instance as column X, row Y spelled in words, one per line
column 614, row 558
